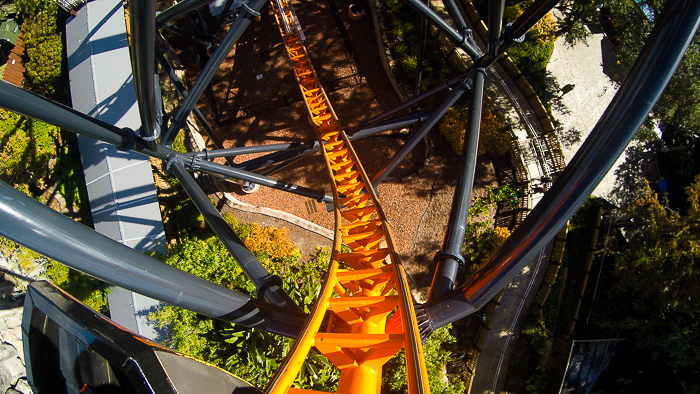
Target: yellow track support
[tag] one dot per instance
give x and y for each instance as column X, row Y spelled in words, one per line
column 364, row 286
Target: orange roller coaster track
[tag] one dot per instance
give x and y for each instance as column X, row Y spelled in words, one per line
column 365, row 299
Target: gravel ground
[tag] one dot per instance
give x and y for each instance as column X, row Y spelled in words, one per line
column 417, row 208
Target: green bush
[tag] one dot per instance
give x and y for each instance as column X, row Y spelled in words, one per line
column 26, row 147
column 493, row 135
column 88, row 290
column 436, row 359
column 252, row 354
column 43, row 43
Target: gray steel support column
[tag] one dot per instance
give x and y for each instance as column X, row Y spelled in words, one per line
column 460, row 40
column 408, row 104
column 398, row 123
column 420, row 132
column 496, row 8
column 46, row 231
column 629, row 108
column 143, row 30
column 269, row 286
column 179, row 10
column 456, row 17
column 450, row 259
column 234, row 34
column 284, row 157
column 226, row 171
column 244, row 150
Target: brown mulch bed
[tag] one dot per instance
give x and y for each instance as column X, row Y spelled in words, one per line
column 258, row 69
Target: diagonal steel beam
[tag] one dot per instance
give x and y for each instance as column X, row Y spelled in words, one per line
column 461, row 40
column 250, row 11
column 496, row 8
column 449, row 259
column 422, row 130
column 179, row 10
column 268, row 286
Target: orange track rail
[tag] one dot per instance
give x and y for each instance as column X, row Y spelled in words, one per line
column 364, row 286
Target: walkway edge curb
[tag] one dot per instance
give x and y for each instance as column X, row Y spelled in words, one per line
column 287, row 217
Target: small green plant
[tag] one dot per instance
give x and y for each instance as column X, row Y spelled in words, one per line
column 179, row 142
column 436, row 359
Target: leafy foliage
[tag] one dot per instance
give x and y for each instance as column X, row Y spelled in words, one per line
column 651, row 287
column 493, row 137
column 505, row 194
column 436, row 358
column 43, row 43
column 26, row 147
column 405, row 33
column 252, row 354
column 88, row 290
column 481, row 241
column 271, row 243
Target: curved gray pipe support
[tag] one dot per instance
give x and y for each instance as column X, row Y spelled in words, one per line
column 46, row 231
column 637, row 95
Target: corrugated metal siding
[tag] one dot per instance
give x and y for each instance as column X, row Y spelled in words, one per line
column 120, row 184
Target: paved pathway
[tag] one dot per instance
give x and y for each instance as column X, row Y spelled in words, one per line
column 582, row 66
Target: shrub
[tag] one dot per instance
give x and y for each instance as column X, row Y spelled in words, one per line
column 481, row 243
column 436, row 358
column 26, row 147
column 493, row 137
column 44, row 46
column 272, row 244
column 88, row 290
column 249, row 353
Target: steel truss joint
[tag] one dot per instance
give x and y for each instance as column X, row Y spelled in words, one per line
column 446, row 253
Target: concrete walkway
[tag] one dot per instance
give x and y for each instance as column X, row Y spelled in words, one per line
column 582, row 66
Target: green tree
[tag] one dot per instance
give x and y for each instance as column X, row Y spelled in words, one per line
column 655, row 296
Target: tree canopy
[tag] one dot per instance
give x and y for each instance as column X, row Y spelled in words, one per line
column 654, row 292
column 677, row 113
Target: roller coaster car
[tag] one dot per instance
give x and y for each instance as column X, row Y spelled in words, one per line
column 70, row 348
